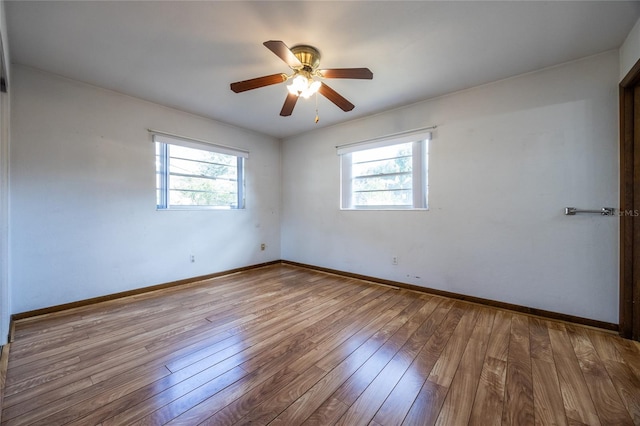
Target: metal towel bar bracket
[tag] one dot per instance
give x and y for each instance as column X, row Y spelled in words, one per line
column 605, row 211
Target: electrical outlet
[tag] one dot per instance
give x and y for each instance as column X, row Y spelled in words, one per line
column 263, row 246
column 394, row 260
column 192, row 258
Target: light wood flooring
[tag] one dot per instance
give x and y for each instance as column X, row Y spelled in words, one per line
column 284, row 345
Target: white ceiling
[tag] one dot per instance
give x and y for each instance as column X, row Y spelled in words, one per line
column 185, row 54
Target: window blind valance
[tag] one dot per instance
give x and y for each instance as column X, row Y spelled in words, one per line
column 396, row 138
column 162, row 137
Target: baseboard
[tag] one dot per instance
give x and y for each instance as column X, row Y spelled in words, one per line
column 488, row 302
column 93, row 300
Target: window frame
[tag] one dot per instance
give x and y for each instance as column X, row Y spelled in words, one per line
column 163, row 141
column 420, row 165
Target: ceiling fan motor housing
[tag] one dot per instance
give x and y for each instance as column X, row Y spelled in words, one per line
column 308, row 55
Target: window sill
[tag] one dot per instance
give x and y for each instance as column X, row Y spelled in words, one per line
column 182, row 209
column 385, row 209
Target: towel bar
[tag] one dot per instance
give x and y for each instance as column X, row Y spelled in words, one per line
column 605, row 211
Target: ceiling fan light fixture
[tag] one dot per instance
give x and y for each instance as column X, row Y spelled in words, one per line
column 303, row 86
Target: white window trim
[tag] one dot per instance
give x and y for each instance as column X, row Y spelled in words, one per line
column 419, row 139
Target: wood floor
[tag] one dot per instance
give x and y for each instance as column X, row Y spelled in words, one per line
column 284, row 345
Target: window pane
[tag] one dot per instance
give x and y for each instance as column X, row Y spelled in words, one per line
column 198, row 154
column 394, row 181
column 204, row 199
column 185, row 191
column 384, row 166
column 401, row 197
column 196, row 177
column 383, row 152
column 384, row 177
column 197, row 168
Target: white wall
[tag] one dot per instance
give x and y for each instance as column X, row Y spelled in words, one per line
column 505, row 160
column 83, row 215
column 630, row 50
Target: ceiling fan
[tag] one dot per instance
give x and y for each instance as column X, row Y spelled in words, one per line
column 304, row 61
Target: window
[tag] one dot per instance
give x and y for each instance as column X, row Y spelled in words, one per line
column 193, row 174
column 385, row 174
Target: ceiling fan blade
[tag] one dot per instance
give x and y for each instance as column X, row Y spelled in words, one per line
column 283, row 52
column 289, row 103
column 360, row 73
column 335, row 97
column 255, row 83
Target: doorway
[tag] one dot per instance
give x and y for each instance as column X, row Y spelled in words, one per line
column 630, row 204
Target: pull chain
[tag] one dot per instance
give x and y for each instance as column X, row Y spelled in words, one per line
column 317, row 117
